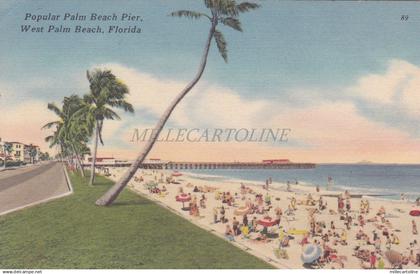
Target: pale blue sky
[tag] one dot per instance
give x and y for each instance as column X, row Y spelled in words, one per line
column 284, row 44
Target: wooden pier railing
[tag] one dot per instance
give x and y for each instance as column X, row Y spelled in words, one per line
column 211, row 165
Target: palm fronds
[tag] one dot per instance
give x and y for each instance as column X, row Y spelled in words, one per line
column 221, row 44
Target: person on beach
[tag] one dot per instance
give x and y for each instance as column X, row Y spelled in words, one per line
column 362, row 206
column 348, row 204
column 267, row 199
column 414, row 227
column 279, row 214
column 222, row 214
column 394, row 239
column 360, row 235
column 288, row 187
column 305, row 240
column 215, row 212
column 332, row 225
column 293, row 203
column 340, row 204
column 235, row 227
column 372, row 260
column 385, row 232
column 413, row 243
column 375, row 235
column 267, row 182
column 243, row 191
column 381, row 263
column 229, row 233
column 343, row 237
column 378, row 244
column 309, row 200
column 245, row 220
column 244, row 231
column 361, row 221
column 412, row 257
column 254, row 224
column 312, row 229
column 388, row 243
column 203, row 201
column 381, row 211
column 347, row 221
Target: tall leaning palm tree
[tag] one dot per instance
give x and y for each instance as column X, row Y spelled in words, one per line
column 106, row 92
column 225, row 12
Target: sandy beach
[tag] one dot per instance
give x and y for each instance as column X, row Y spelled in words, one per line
column 282, row 224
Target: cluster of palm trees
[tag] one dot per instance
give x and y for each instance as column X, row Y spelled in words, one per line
column 81, row 119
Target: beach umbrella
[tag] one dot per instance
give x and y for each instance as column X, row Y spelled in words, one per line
column 311, row 253
column 393, row 257
column 267, row 221
column 241, row 211
column 183, row 198
column 176, row 174
column 415, row 213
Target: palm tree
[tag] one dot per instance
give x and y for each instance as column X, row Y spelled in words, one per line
column 68, row 134
column 32, row 153
column 225, row 12
column 106, row 92
column 7, row 150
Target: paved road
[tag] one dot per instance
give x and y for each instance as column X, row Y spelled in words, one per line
column 31, row 184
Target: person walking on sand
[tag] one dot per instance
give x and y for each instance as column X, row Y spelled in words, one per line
column 414, row 227
column 348, row 204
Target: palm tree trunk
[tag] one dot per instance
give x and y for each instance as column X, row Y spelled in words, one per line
column 95, row 149
column 79, row 164
column 115, row 190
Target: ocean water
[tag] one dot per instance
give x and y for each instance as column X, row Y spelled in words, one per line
column 389, row 180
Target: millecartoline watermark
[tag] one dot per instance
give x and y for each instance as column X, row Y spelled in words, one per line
column 214, row 135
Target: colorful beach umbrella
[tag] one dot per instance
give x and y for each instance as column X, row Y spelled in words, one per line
column 393, row 257
column 241, row 211
column 183, row 198
column 267, row 222
column 176, row 174
column 311, row 253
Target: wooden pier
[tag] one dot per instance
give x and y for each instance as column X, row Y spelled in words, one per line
column 210, row 165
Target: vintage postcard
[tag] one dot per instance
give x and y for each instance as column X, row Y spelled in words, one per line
column 209, row 134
